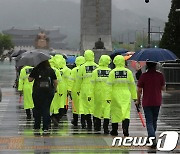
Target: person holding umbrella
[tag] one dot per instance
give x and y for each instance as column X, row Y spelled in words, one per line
column 122, row 89
column 45, row 83
column 151, row 83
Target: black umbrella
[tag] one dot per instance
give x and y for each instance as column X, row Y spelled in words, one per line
column 17, row 53
column 32, row 58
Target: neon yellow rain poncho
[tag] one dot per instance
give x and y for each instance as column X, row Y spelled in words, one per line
column 65, row 82
column 122, row 90
column 85, row 86
column 77, row 108
column 26, row 86
column 99, row 79
column 54, row 108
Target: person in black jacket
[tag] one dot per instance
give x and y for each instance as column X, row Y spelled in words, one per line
column 44, row 87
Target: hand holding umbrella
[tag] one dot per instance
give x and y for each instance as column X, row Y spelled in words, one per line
column 140, row 115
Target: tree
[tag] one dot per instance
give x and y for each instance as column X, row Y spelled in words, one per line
column 141, row 42
column 171, row 37
column 5, row 43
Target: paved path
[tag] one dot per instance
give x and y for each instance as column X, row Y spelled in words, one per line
column 16, row 134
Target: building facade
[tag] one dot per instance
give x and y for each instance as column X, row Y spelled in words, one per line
column 27, row 38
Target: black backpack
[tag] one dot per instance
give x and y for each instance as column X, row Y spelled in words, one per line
column 44, row 80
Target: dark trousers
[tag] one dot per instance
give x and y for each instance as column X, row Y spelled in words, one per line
column 42, row 102
column 61, row 113
column 89, row 121
column 125, row 127
column 151, row 115
column 75, row 120
column 83, row 121
column 28, row 113
column 98, row 124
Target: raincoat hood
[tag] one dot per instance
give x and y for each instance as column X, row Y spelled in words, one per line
column 80, row 60
column 58, row 60
column 119, row 61
column 89, row 55
column 62, row 63
column 104, row 60
column 52, row 62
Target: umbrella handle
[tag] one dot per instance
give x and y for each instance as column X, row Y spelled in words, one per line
column 140, row 116
column 66, row 103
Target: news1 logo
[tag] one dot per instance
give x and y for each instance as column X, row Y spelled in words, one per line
column 167, row 141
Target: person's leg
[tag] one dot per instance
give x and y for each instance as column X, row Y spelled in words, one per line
column 114, row 131
column 105, row 126
column 125, row 127
column 36, row 111
column 89, row 121
column 75, row 119
column 61, row 113
column 37, row 117
column 46, row 117
column 94, row 122
column 83, row 122
column 54, row 118
column 46, row 110
column 28, row 113
column 149, row 121
column 155, row 116
column 98, row 124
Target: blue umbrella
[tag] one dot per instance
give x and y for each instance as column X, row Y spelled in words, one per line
column 154, row 55
column 70, row 59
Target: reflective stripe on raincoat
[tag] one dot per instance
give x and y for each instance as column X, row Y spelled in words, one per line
column 99, row 80
column 84, row 82
column 122, row 90
column 76, row 107
column 26, row 86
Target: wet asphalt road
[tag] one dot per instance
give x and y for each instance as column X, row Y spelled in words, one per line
column 17, row 136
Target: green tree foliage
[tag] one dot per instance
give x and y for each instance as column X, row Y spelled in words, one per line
column 141, row 42
column 171, row 37
column 5, row 43
column 117, row 45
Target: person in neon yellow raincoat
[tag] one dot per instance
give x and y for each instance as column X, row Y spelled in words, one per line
column 85, row 86
column 65, row 85
column 54, row 108
column 76, row 107
column 25, row 87
column 101, row 106
column 121, row 91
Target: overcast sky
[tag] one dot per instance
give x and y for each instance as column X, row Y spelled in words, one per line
column 158, row 8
